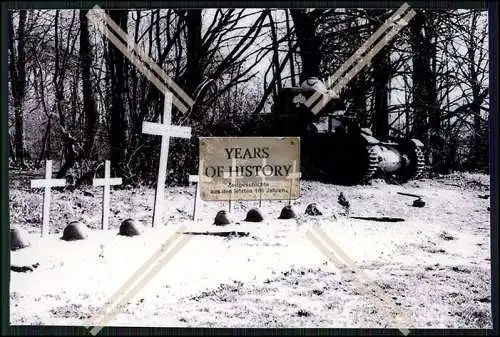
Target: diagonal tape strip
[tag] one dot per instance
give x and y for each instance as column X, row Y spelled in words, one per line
column 136, row 61
column 315, row 239
column 354, row 71
column 332, row 258
column 133, row 46
column 393, row 19
column 127, row 51
column 382, row 43
column 361, row 50
column 145, row 266
column 139, row 286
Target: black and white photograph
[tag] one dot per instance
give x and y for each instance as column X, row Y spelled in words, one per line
column 249, row 167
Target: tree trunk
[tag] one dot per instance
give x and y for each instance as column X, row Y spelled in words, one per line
column 289, row 41
column 427, row 118
column 309, row 43
column 479, row 146
column 381, row 77
column 12, row 152
column 358, row 93
column 118, row 67
column 436, row 149
column 17, row 67
column 89, row 104
column 69, row 152
column 420, row 77
column 275, row 61
column 194, row 62
column 43, row 152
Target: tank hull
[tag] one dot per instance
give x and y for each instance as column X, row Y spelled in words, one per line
column 340, row 153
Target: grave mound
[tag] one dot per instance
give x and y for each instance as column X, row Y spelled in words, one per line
column 418, row 203
column 312, row 209
column 254, row 215
column 287, row 213
column 129, row 227
column 18, row 239
column 75, row 230
column 221, row 219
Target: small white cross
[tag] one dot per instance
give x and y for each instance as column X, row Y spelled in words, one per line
column 195, row 179
column 106, row 182
column 233, row 180
column 294, row 173
column 47, row 183
column 202, row 178
column 165, row 130
column 292, row 176
column 263, row 180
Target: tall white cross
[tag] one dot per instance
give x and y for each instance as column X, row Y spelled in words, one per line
column 106, row 182
column 291, row 177
column 165, row 130
column 47, row 183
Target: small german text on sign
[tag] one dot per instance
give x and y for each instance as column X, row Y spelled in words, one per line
column 249, row 168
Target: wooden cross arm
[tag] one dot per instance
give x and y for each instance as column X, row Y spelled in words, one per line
column 108, row 181
column 38, row 183
column 196, row 179
column 165, row 129
column 294, row 175
column 227, row 176
column 205, row 179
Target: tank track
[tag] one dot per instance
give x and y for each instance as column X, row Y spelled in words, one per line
column 372, row 165
column 419, row 169
column 416, row 167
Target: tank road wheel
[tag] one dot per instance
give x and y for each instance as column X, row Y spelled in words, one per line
column 416, row 165
column 354, row 163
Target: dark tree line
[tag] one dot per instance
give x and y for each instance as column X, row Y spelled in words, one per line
column 76, row 99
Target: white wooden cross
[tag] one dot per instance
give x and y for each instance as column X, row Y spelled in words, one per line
column 233, row 180
column 203, row 178
column 47, row 183
column 263, row 179
column 195, row 179
column 106, row 182
column 291, row 177
column 165, row 130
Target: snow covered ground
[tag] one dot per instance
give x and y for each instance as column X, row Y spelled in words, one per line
column 435, row 265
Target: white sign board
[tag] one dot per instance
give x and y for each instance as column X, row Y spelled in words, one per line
column 249, row 168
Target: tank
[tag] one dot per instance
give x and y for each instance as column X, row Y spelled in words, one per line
column 334, row 148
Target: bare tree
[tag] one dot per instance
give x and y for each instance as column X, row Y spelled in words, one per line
column 89, row 104
column 470, row 54
column 194, row 53
column 82, row 93
column 117, row 66
column 381, row 72
column 423, row 79
column 63, row 54
column 309, row 44
column 17, row 68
